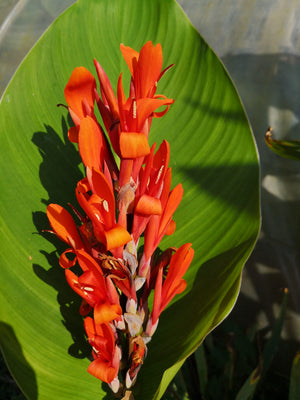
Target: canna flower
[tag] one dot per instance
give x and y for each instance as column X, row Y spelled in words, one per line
column 106, row 353
column 80, row 94
column 100, row 209
column 137, row 353
column 160, row 225
column 95, row 289
column 121, row 201
column 173, row 284
column 145, row 68
column 65, row 228
column 128, row 121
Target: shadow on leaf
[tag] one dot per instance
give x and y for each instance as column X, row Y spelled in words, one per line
column 59, row 172
column 20, row 369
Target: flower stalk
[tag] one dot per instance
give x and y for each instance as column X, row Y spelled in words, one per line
column 120, row 205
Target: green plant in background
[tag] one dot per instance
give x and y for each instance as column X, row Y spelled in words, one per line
column 214, row 157
column 233, row 364
column 288, row 149
column 284, row 148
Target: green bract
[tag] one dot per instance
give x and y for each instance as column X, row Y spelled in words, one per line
column 213, row 155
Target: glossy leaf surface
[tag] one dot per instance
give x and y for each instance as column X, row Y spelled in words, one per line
column 213, row 155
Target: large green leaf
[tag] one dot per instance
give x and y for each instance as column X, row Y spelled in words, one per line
column 212, row 153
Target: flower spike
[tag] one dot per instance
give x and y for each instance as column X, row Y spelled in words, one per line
column 125, row 195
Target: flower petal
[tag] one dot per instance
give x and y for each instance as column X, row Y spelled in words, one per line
column 73, row 134
column 170, row 228
column 146, row 107
column 92, row 146
column 64, row 225
column 67, row 262
column 102, row 370
column 106, row 312
column 157, row 296
column 133, row 145
column 179, row 264
column 147, row 71
column 80, row 86
column 107, row 92
column 148, row 205
column 116, row 237
column 88, row 263
column 171, row 206
column 103, row 189
column 130, row 56
column 177, row 288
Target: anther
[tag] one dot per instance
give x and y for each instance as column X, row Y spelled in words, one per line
column 105, row 205
column 134, row 109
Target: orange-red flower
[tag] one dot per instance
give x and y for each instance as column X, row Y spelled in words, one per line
column 121, row 201
column 65, row 228
column 105, row 351
column 94, row 289
column 160, row 225
column 137, row 353
column 128, row 120
column 149, row 191
column 100, row 209
column 172, row 285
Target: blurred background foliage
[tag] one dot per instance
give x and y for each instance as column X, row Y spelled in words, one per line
column 254, row 351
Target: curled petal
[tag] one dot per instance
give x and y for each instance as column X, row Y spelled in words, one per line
column 64, row 225
column 88, row 263
column 116, row 237
column 133, row 145
column 106, row 312
column 84, row 308
column 67, row 262
column 160, row 114
column 170, row 228
column 73, row 134
column 83, row 186
column 148, row 205
column 102, row 331
column 147, row 106
column 102, row 370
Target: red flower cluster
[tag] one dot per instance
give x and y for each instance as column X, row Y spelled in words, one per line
column 120, row 204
